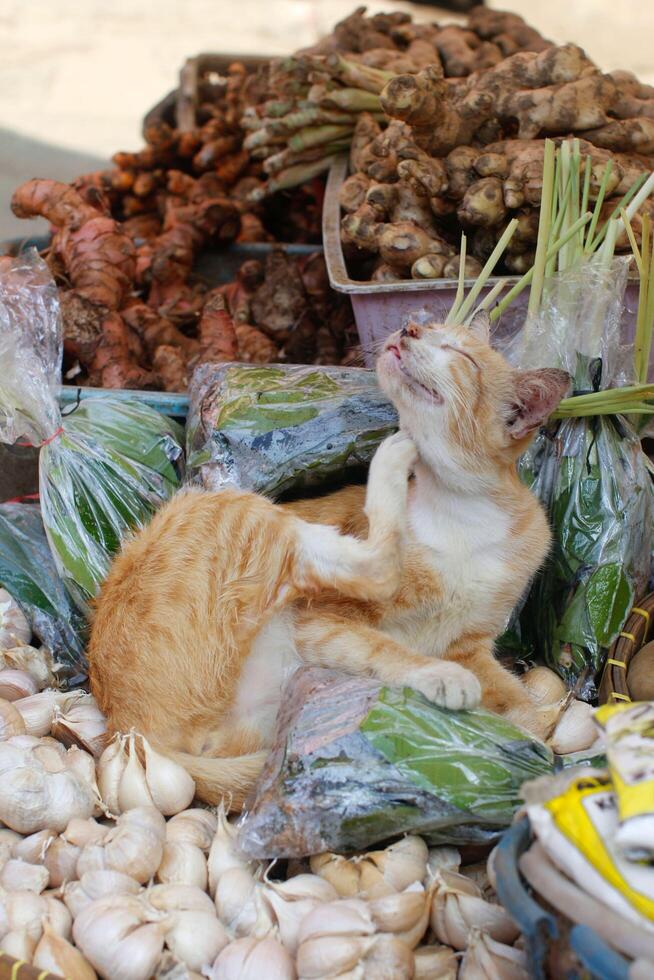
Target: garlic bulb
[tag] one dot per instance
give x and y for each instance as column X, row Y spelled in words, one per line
column 224, row 853
column 11, row 721
column 122, row 937
column 179, row 898
column 292, row 900
column 443, row 859
column 184, row 863
column 19, row 944
column 575, row 730
column 32, row 795
column 192, row 827
column 14, row 627
column 486, row 959
column 134, row 846
column 252, row 959
column 79, row 721
column 83, row 832
column 57, row 956
column 375, row 873
column 97, row 884
column 60, row 860
column 37, row 662
column 22, row 911
column 9, row 836
column 37, row 712
column 126, row 783
column 241, row 904
column 18, row 876
column 405, row 914
column 545, row 686
column 33, row 848
column 435, row 963
column 16, row 684
column 195, row 937
column 458, row 907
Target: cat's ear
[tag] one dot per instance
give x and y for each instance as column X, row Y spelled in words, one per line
column 480, row 326
column 536, row 396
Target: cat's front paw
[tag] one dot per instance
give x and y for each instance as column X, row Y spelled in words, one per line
column 448, row 685
column 396, row 456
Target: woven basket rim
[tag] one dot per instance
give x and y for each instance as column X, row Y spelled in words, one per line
column 636, row 632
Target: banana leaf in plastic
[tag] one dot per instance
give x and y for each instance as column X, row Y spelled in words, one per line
column 355, row 763
column 105, row 468
column 278, row 428
column 592, row 477
column 28, row 573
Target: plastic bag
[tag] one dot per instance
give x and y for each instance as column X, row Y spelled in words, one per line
column 105, row 468
column 591, row 475
column 355, row 763
column 27, row 571
column 277, row 428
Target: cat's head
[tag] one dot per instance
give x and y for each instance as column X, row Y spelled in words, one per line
column 461, row 401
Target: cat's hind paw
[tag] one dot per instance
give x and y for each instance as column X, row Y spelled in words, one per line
column 448, row 685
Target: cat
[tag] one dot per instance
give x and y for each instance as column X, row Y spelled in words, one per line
column 208, row 610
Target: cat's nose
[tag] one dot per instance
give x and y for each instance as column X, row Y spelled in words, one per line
column 412, row 330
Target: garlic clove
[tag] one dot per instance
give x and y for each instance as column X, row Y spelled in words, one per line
column 61, row 862
column 183, row 863
column 179, row 898
column 14, row 627
column 11, row 721
column 170, row 968
column 19, row 875
column 304, row 886
column 196, row 937
column 406, row 914
column 443, row 859
column 388, row 959
column 192, row 827
column 134, row 846
column 37, row 662
column 330, row 956
column 251, row 959
column 575, row 730
column 288, row 916
column 457, row 908
column 83, row 832
column 97, row 884
column 241, row 905
column 393, row 869
column 24, row 912
column 544, row 685
column 435, row 963
column 490, row 868
column 50, row 753
column 59, row 917
column 33, row 848
column 121, row 936
column 342, row 874
column 111, row 766
column 133, row 789
column 37, row 712
column 347, row 916
column 16, row 684
column 78, row 721
column 170, row 786
column 19, row 944
column 224, row 853
column 10, row 837
column 486, row 959
column 57, row 956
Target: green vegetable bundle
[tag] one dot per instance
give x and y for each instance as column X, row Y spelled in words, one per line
column 354, row 763
column 279, row 428
column 28, row 572
column 104, row 469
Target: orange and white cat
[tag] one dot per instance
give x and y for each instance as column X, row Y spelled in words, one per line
column 208, row 610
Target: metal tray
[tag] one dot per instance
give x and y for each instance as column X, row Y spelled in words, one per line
column 380, row 307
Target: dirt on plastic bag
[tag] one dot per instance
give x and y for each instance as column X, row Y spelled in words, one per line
column 105, row 468
column 592, row 476
column 28, row 573
column 274, row 429
column 355, row 763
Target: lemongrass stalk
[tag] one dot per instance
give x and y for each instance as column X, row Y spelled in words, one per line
column 459, row 314
column 566, row 181
column 287, row 158
column 358, row 75
column 599, row 201
column 311, row 136
column 462, row 271
column 528, row 276
column 632, row 241
column 642, row 261
column 624, row 202
column 649, row 307
column 352, row 99
column 544, row 225
column 309, row 117
column 586, row 190
column 292, row 177
column 488, row 300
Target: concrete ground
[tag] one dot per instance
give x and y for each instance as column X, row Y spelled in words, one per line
column 77, row 78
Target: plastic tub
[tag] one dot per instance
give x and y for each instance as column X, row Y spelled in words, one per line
column 380, row 307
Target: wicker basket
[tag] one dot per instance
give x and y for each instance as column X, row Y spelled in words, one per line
column 11, row 969
column 637, row 631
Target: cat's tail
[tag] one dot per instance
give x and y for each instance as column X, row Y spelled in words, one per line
column 217, row 779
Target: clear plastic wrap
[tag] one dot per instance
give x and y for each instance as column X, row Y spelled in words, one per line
column 28, row 572
column 104, row 468
column 591, row 475
column 279, row 428
column 355, row 763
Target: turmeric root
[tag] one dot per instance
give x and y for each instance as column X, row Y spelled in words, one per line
column 216, row 330
column 155, row 330
column 280, row 300
column 113, row 364
column 171, row 367
column 254, row 347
